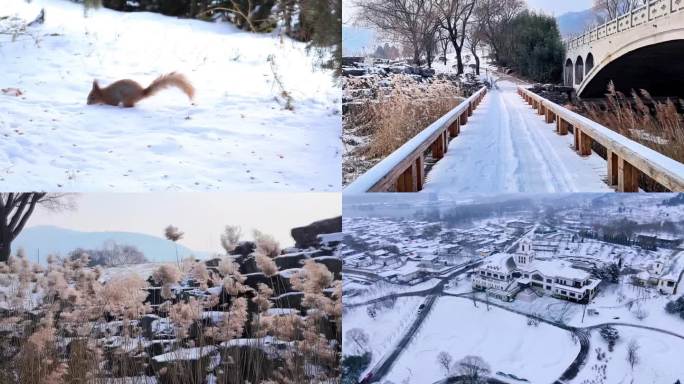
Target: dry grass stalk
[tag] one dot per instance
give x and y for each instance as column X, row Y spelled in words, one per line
column 654, row 124
column 88, row 331
column 400, row 113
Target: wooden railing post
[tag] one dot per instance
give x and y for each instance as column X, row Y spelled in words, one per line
column 612, row 160
column 562, row 126
column 408, row 180
column 454, row 128
column 420, row 172
column 550, row 116
column 438, row 147
column 628, row 177
column 470, row 109
column 445, row 140
column 541, row 109
column 576, row 138
column 584, row 144
column 463, row 118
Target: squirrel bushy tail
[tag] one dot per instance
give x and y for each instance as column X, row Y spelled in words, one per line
column 172, row 79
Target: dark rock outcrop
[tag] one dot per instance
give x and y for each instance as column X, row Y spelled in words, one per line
column 307, row 236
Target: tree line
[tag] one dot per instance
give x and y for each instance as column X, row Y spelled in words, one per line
column 516, row 37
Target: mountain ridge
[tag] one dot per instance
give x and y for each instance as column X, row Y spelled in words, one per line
column 40, row 240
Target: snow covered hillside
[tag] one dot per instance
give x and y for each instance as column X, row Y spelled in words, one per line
column 238, row 135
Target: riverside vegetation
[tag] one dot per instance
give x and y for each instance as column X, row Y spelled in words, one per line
column 256, row 314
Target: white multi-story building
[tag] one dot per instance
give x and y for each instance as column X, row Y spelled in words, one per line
column 504, row 275
column 663, row 274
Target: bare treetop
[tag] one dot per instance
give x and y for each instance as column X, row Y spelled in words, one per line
column 173, row 233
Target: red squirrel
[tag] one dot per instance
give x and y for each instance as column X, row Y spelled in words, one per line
column 127, row 92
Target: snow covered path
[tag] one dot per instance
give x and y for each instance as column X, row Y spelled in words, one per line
column 507, row 147
column 238, row 136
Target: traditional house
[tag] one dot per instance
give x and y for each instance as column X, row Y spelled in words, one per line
column 662, row 274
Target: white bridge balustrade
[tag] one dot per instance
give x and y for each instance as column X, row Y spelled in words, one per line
column 641, row 42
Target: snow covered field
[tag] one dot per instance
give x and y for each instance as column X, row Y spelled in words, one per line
column 384, row 331
column 360, row 293
column 659, row 355
column 503, row 339
column 238, row 136
column 506, row 147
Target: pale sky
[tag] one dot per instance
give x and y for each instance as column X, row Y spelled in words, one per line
column 552, row 7
column 559, row 7
column 202, row 216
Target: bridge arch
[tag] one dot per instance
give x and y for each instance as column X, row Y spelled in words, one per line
column 589, row 64
column 568, row 72
column 579, row 70
column 652, row 63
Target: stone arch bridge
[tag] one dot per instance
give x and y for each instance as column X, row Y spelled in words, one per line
column 642, row 49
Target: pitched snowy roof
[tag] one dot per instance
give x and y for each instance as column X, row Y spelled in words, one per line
column 556, row 268
column 675, row 270
column 498, row 262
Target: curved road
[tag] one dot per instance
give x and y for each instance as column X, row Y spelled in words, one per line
column 582, row 333
column 383, row 366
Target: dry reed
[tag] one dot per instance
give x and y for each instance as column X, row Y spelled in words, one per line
column 654, row 124
column 400, row 112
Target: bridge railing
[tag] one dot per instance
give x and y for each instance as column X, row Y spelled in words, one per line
column 652, row 10
column 404, row 169
column 625, row 157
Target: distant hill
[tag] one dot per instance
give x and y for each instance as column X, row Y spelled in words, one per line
column 56, row 240
column 572, row 23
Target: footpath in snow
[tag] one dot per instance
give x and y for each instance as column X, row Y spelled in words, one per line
column 237, row 136
column 507, row 147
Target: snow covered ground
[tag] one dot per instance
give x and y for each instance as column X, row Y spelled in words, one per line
column 503, row 339
column 506, row 147
column 659, row 359
column 238, row 136
column 363, row 293
column 384, row 331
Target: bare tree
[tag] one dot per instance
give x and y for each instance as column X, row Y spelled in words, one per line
column 444, row 360
column 360, row 338
column 230, row 237
column 17, row 208
column 407, row 21
column 430, row 38
column 610, row 9
column 454, row 16
column 174, row 234
column 472, row 368
column 444, row 41
column 496, row 16
column 472, row 296
column 111, row 254
column 474, row 37
column 633, row 353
